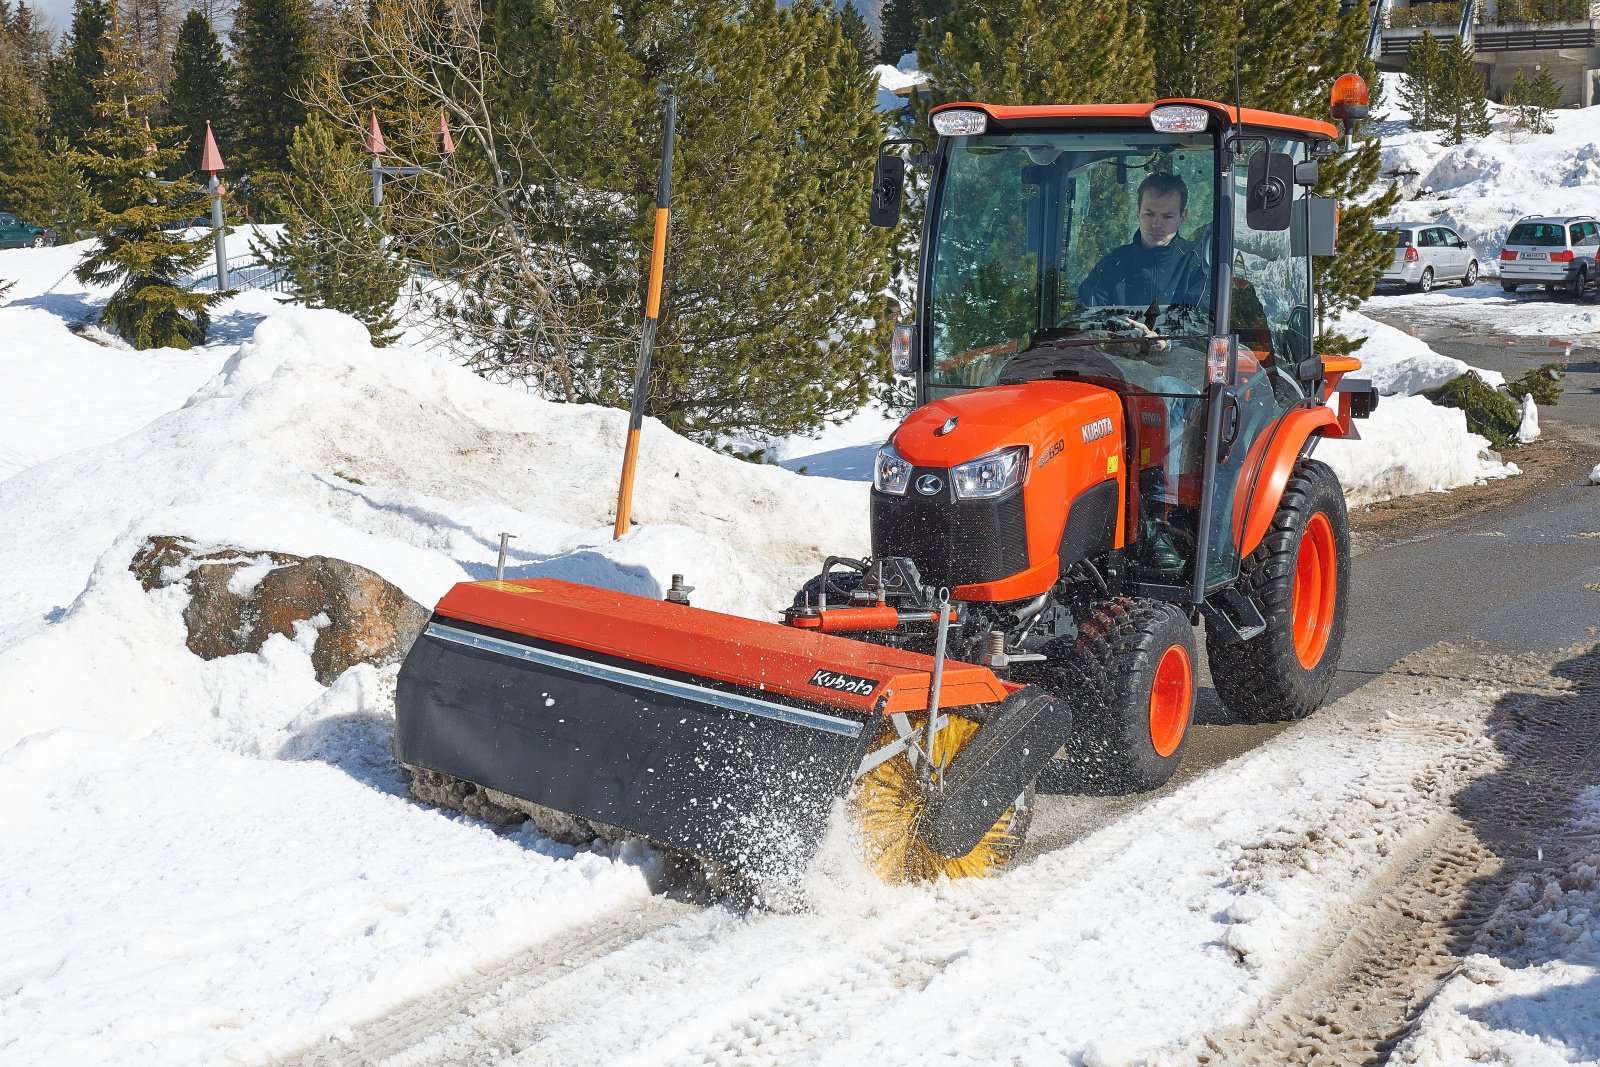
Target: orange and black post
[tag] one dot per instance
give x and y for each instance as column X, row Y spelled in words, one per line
column 652, row 315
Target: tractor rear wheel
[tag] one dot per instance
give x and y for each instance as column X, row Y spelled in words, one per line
column 887, row 804
column 1131, row 679
column 1299, row 576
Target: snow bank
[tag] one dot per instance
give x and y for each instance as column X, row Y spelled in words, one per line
column 1398, row 363
column 1410, row 446
column 214, row 860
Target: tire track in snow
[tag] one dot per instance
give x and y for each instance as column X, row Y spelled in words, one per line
column 851, row 978
column 1378, row 973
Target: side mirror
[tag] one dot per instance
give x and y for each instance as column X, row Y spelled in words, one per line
column 888, row 189
column 1322, row 226
column 1270, row 191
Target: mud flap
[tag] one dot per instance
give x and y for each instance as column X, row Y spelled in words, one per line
column 738, row 775
column 1011, row 749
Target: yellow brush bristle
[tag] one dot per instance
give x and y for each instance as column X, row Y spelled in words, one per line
column 887, row 806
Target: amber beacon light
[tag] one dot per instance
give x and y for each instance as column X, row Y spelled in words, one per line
column 1349, row 103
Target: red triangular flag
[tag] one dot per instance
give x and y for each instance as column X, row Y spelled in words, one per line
column 210, row 158
column 448, row 142
column 375, row 143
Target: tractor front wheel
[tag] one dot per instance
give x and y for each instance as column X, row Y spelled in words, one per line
column 1299, row 576
column 1131, row 679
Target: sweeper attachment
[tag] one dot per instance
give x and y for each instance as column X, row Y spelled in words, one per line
column 1112, row 446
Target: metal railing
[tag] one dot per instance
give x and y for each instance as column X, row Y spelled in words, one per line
column 247, row 271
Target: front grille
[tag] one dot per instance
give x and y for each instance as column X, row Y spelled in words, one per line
column 953, row 542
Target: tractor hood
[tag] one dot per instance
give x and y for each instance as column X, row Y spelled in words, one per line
column 1042, row 415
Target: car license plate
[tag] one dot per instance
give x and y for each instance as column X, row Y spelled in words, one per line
column 1530, row 255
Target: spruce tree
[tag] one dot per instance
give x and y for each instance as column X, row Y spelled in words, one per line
column 773, row 317
column 858, row 33
column 136, row 252
column 32, row 40
column 333, row 239
column 1032, row 52
column 1544, row 96
column 1463, row 92
column 68, row 208
column 1422, row 94
column 273, row 60
column 901, row 21
column 70, row 88
column 199, row 88
column 21, row 158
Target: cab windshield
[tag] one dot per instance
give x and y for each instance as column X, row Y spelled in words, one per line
column 1062, row 254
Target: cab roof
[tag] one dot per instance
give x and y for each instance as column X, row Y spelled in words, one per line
column 1095, row 113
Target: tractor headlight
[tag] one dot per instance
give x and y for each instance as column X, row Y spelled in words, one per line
column 891, row 473
column 991, row 475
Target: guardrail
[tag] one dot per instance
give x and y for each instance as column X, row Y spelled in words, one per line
column 249, row 271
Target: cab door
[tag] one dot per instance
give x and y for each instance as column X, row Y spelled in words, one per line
column 1271, row 323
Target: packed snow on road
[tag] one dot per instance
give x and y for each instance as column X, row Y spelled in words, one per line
column 217, row 861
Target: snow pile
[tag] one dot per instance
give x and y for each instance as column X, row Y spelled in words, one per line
column 1411, row 446
column 1528, row 429
column 221, row 859
column 1594, row 475
column 1398, row 363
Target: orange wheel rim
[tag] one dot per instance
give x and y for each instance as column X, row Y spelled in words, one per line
column 1316, row 591
column 1170, row 696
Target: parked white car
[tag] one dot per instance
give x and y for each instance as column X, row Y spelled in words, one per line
column 1555, row 251
column 1425, row 254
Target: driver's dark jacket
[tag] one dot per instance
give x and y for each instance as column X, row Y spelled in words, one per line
column 1134, row 275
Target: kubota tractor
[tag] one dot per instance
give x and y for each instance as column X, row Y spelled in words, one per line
column 1118, row 402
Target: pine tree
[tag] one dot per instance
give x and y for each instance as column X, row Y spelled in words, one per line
column 150, row 309
column 1544, row 96
column 68, row 208
column 1032, row 52
column 902, row 29
column 70, row 89
column 1422, row 92
column 199, row 88
column 33, row 44
column 1462, row 90
column 273, row 62
column 858, row 33
column 21, row 158
column 772, row 313
column 333, row 240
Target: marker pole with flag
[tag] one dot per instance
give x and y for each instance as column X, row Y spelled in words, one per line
column 652, row 316
column 211, row 160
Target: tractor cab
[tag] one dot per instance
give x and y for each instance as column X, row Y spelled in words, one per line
column 1164, row 252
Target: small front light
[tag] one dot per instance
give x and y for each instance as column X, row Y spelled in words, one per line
column 890, row 473
column 960, row 122
column 1179, row 118
column 991, row 475
column 900, row 351
column 1217, row 361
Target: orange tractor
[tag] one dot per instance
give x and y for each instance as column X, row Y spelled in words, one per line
column 1118, row 404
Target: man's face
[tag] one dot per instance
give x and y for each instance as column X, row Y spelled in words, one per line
column 1160, row 215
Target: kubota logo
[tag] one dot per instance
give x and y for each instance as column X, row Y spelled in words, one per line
column 844, row 683
column 929, row 484
column 1097, row 429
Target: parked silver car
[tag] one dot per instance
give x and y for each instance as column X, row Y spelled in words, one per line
column 1426, row 253
column 1557, row 252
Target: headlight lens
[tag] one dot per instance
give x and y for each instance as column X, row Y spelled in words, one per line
column 991, row 475
column 891, row 473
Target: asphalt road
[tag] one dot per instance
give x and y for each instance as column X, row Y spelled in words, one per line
column 1526, row 578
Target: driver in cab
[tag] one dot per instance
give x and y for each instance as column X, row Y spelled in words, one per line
column 1157, row 266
